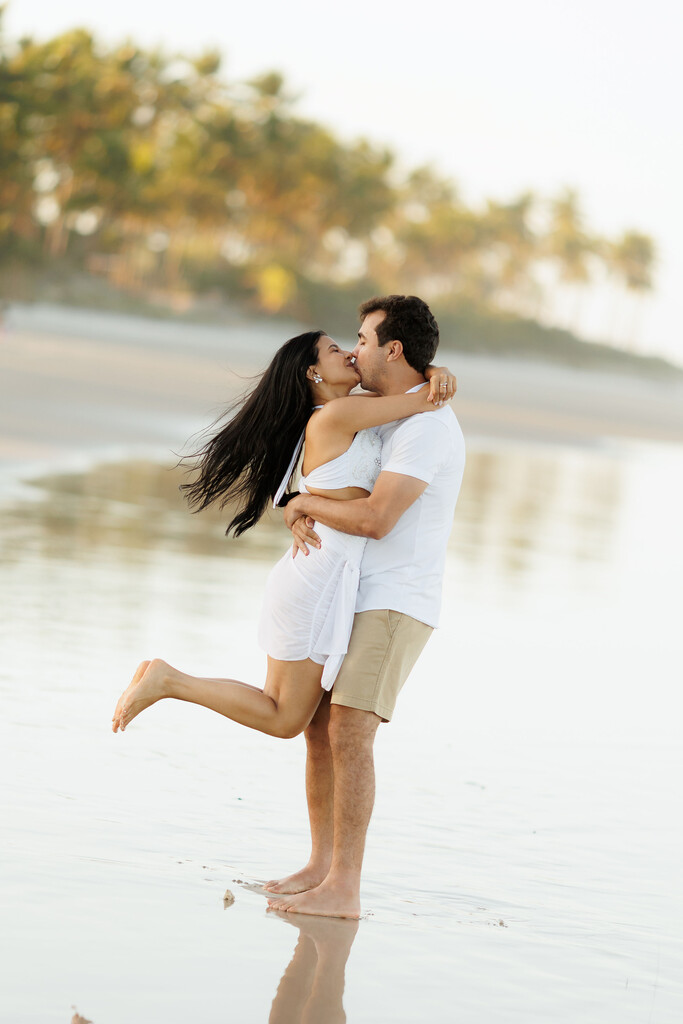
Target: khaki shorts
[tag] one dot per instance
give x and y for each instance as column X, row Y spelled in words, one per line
column 383, row 648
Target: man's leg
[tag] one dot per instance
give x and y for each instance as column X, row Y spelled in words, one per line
column 384, row 646
column 352, row 735
column 319, row 796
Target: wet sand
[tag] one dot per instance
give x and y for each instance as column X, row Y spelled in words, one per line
column 523, row 862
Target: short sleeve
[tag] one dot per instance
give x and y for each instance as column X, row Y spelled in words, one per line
column 418, row 447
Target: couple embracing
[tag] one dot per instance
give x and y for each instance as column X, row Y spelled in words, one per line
column 349, row 609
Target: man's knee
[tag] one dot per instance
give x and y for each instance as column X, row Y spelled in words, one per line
column 351, row 729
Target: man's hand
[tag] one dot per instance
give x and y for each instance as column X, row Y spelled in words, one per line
column 292, row 510
column 303, row 535
column 301, row 526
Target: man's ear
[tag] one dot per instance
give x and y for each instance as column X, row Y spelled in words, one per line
column 394, row 350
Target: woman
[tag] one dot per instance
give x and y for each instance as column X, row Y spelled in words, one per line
column 304, row 394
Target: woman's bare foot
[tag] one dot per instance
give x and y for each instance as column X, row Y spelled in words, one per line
column 147, row 686
column 328, row 899
column 139, row 672
column 301, row 881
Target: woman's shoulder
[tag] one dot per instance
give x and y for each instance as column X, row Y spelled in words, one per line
column 336, row 413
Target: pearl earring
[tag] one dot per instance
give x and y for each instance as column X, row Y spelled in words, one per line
column 317, row 378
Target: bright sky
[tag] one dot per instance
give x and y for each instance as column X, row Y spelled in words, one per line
column 500, row 96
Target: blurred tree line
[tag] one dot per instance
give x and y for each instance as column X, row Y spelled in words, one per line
column 155, row 173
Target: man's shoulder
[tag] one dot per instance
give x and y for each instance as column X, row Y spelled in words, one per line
column 425, row 444
column 440, row 426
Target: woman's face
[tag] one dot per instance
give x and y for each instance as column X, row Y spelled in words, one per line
column 335, row 364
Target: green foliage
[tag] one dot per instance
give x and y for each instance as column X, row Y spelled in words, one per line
column 152, row 171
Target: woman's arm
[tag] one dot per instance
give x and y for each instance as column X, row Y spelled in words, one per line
column 438, row 375
column 349, row 415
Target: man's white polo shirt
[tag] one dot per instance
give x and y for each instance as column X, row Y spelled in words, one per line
column 404, row 570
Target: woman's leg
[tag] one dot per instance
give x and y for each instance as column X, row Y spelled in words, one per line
column 283, row 708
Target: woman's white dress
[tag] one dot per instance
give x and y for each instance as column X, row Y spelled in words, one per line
column 310, row 600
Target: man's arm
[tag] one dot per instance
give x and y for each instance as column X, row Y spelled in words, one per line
column 414, row 457
column 374, row 516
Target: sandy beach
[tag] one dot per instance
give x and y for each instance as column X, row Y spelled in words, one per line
column 72, row 380
column 523, row 862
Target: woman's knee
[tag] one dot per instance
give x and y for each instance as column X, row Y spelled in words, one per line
column 291, row 722
column 284, row 729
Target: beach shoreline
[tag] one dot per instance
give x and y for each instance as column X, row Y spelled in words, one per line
column 103, row 386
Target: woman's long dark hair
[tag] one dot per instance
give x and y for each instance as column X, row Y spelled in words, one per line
column 248, row 457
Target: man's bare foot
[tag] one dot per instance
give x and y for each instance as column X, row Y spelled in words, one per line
column 328, row 899
column 146, row 687
column 301, row 881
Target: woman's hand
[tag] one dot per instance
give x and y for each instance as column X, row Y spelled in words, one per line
column 442, row 384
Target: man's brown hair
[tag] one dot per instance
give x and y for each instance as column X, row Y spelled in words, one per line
column 408, row 320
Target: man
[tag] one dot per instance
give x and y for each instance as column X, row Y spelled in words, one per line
column 407, row 519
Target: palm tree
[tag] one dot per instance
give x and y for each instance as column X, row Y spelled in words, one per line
column 18, row 107
column 511, row 249
column 631, row 260
column 569, row 248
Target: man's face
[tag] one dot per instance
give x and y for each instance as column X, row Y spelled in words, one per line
column 370, row 358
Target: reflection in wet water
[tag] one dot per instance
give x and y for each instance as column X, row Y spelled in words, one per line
column 528, row 776
column 312, row 986
column 132, row 506
column 516, row 507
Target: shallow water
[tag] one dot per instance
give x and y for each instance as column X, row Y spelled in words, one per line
column 523, row 860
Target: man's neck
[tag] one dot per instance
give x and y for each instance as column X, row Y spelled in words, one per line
column 400, row 382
